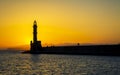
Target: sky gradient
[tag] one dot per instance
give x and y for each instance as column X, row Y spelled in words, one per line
column 59, row 21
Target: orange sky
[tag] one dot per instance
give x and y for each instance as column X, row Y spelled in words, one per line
column 59, row 21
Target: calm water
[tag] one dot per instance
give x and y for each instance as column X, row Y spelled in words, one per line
column 13, row 63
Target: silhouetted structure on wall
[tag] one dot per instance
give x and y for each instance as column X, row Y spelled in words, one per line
column 35, row 46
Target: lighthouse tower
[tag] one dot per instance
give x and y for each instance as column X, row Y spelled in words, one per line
column 35, row 46
column 35, row 31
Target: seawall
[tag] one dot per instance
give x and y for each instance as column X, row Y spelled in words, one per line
column 81, row 50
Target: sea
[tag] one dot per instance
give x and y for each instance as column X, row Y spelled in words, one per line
column 16, row 63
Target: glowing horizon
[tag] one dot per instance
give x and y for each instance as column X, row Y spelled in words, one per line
column 59, row 21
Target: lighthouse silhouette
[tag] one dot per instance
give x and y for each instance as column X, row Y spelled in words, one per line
column 35, row 46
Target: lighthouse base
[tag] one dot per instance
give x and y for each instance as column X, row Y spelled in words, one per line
column 35, row 47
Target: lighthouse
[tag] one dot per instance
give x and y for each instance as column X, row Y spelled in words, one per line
column 35, row 45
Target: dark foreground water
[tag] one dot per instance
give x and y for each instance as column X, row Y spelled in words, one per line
column 14, row 63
